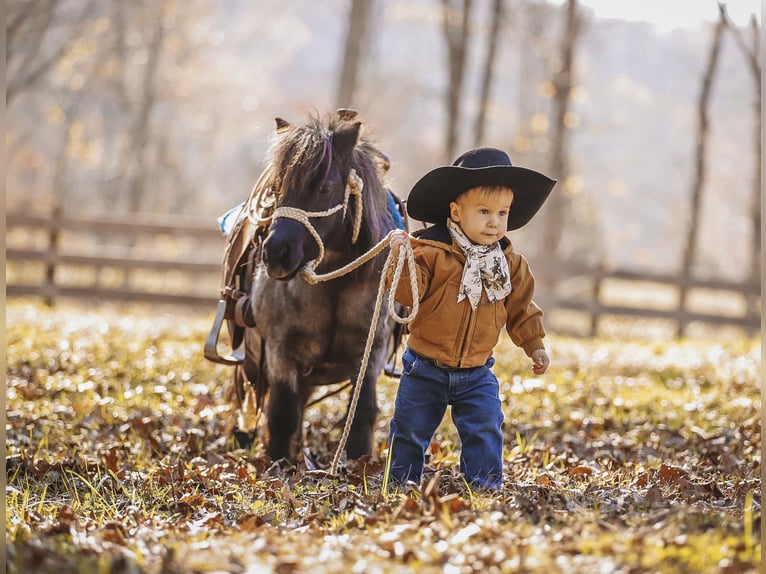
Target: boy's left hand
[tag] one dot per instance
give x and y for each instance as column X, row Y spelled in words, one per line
column 540, row 361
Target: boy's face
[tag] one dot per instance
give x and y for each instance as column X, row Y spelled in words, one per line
column 482, row 214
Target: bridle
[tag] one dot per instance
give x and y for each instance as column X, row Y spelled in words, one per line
column 261, row 209
column 354, row 186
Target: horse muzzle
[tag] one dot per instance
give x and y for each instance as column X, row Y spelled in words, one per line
column 287, row 248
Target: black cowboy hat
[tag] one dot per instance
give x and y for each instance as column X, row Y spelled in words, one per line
column 429, row 199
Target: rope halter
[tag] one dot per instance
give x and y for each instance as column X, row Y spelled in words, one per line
column 354, row 186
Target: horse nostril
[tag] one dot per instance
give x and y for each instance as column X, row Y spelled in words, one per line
column 283, row 250
column 283, row 257
column 276, row 254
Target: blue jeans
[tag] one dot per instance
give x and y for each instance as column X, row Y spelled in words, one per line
column 424, row 392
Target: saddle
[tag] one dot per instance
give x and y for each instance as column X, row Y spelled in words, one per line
column 251, row 220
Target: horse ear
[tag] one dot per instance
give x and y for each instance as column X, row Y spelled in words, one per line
column 282, row 125
column 347, row 114
column 384, row 162
column 345, row 139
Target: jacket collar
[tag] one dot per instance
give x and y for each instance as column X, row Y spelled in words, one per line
column 440, row 234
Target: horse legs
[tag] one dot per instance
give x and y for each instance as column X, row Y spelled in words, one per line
column 360, row 435
column 242, row 395
column 285, row 421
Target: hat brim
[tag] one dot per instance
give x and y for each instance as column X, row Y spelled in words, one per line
column 430, row 197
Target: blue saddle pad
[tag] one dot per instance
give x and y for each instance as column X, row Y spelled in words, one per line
column 227, row 220
column 393, row 208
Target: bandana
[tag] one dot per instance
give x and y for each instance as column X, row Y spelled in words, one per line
column 485, row 268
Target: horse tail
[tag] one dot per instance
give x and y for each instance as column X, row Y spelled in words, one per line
column 254, row 367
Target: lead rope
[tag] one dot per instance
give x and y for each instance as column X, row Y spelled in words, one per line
column 405, row 254
column 354, row 186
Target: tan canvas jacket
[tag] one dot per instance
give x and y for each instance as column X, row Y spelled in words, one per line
column 453, row 333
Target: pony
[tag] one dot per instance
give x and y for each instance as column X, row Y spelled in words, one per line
column 320, row 203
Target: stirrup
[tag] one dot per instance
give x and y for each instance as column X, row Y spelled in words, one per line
column 391, row 370
column 237, row 356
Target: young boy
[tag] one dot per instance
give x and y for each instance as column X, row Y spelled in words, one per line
column 471, row 285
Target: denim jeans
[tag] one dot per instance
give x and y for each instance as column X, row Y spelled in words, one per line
column 424, row 392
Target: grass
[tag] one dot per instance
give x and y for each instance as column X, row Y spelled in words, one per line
column 627, row 456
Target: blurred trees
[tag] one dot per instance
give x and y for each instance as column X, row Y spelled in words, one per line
column 168, row 105
column 38, row 35
column 456, row 22
column 458, row 27
column 751, row 50
column 357, row 45
column 564, row 81
column 496, row 16
column 96, row 89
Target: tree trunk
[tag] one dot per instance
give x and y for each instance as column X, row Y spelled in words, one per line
column 535, row 19
column 563, row 82
column 456, row 33
column 353, row 55
column 141, row 132
column 703, row 121
column 496, row 17
column 690, row 249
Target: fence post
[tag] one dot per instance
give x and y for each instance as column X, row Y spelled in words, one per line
column 49, row 285
column 595, row 314
column 682, row 320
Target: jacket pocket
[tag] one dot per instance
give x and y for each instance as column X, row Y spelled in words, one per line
column 443, row 318
column 490, row 320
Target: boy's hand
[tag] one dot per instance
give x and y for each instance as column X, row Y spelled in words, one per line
column 540, row 361
column 398, row 238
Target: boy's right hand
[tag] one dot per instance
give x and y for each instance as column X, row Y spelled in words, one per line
column 540, row 361
column 398, row 238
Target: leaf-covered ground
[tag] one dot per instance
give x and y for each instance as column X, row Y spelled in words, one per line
column 628, row 456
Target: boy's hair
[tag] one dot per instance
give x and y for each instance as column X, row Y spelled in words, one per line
column 484, row 190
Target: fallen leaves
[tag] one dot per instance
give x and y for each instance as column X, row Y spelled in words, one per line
column 625, row 457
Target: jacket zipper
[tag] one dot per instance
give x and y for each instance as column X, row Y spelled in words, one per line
column 465, row 336
column 460, row 256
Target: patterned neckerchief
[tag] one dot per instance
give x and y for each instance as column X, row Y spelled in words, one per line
column 485, row 267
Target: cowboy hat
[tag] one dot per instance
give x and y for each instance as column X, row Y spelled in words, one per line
column 430, row 197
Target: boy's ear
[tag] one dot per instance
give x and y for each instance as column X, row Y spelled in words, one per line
column 454, row 211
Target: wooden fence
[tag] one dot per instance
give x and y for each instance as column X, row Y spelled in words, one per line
column 173, row 261
column 144, row 258
column 599, row 294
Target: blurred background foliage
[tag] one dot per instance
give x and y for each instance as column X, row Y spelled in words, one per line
column 168, row 106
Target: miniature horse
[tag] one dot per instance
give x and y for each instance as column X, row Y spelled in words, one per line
column 329, row 205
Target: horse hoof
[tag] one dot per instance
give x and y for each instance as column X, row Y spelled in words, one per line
column 244, row 439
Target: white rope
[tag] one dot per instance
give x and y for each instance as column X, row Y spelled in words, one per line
column 405, row 254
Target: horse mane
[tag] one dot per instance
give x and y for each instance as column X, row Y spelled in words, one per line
column 306, row 146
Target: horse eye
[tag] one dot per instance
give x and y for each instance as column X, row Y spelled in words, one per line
column 325, row 188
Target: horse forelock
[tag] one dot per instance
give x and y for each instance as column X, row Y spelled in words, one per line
column 302, row 157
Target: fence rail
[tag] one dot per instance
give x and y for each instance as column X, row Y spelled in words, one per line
column 679, row 294
column 59, row 262
column 109, row 258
